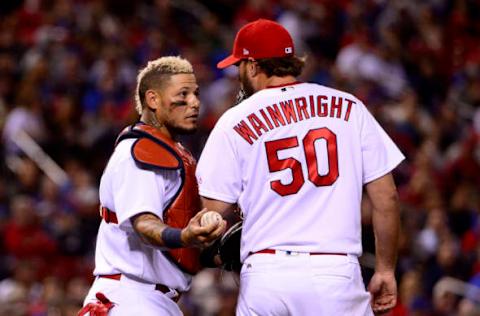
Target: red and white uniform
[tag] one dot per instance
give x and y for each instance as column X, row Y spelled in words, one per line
column 295, row 159
column 128, row 190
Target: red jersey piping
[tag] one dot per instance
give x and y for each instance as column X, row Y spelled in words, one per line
column 284, row 85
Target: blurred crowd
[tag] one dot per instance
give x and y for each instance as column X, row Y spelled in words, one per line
column 67, row 75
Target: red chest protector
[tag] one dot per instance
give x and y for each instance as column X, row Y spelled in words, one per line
column 152, row 150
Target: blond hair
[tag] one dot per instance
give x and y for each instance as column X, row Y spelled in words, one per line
column 156, row 73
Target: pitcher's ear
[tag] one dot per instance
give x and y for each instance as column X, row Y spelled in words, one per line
column 252, row 67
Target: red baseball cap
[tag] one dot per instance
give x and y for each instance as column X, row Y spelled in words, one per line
column 260, row 39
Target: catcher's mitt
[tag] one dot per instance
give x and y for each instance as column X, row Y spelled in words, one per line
column 227, row 249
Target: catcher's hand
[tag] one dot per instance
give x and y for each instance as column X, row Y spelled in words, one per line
column 225, row 252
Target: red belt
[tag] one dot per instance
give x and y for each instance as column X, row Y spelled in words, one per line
column 108, row 215
column 158, row 287
column 273, row 251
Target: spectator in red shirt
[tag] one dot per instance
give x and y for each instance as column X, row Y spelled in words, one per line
column 23, row 236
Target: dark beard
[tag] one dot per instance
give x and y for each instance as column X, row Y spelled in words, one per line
column 247, row 87
column 175, row 130
column 246, row 90
column 241, row 95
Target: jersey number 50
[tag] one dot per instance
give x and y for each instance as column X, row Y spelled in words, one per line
column 275, row 164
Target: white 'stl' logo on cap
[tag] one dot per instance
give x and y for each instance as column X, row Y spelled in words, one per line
column 245, row 51
column 288, row 50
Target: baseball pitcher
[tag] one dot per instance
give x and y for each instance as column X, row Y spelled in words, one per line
column 296, row 157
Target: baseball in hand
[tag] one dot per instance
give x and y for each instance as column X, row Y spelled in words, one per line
column 210, row 217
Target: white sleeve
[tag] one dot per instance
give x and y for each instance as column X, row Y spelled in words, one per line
column 137, row 191
column 218, row 170
column 380, row 155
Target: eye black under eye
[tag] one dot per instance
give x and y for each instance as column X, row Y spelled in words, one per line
column 179, row 103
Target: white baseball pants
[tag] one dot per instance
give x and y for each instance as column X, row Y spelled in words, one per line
column 133, row 298
column 300, row 284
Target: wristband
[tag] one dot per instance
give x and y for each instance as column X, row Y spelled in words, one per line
column 172, row 237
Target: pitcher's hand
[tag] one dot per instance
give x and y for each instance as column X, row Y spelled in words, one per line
column 383, row 288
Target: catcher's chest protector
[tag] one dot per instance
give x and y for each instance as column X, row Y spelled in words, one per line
column 153, row 150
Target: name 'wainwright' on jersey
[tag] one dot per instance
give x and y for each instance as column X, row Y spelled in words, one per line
column 295, row 159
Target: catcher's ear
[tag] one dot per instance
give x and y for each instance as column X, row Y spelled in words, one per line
column 153, row 99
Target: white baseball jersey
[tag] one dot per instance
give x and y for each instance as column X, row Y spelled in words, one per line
column 128, row 190
column 295, row 159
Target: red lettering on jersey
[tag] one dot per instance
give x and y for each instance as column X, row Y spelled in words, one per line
column 349, row 107
column 301, row 104
column 336, row 106
column 322, row 107
column 276, row 115
column 265, row 117
column 288, row 111
column 245, row 131
column 312, row 105
column 257, row 124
